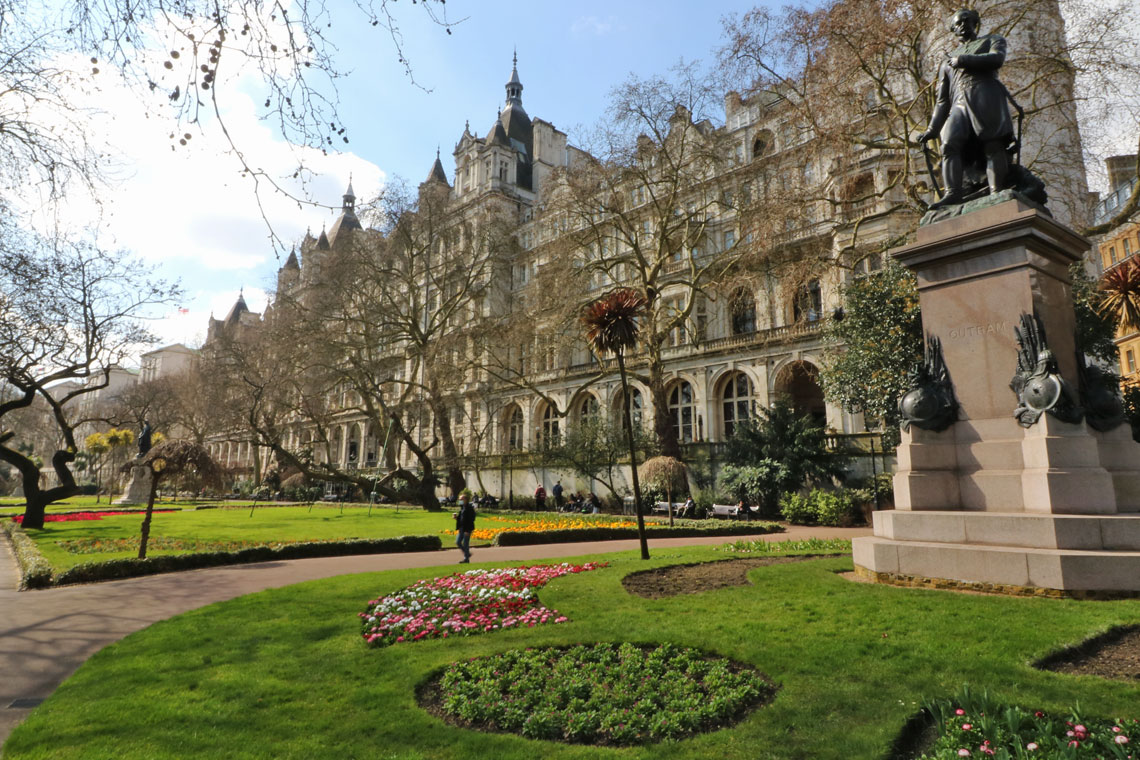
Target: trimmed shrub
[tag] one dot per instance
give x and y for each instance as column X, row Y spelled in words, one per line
column 88, row 572
column 35, row 570
column 841, row 507
column 683, row 529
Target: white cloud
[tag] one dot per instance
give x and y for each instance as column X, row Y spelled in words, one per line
column 187, row 209
column 592, row 26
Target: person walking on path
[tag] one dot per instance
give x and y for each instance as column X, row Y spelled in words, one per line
column 540, row 498
column 557, row 491
column 464, row 526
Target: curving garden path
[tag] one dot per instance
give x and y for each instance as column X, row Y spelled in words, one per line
column 45, row 635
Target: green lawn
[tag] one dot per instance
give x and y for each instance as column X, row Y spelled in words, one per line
column 14, row 505
column 284, row 673
column 215, row 529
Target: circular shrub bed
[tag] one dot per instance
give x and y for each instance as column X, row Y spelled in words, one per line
column 605, row 694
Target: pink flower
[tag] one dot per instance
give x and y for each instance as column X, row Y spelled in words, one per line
column 1074, row 743
column 966, row 726
column 959, row 711
column 1031, row 746
column 1121, row 739
column 963, row 753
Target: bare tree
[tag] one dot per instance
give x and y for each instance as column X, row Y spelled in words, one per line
column 68, row 311
column 654, row 207
column 850, row 81
column 184, row 60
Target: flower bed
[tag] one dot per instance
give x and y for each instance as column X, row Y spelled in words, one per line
column 79, row 516
column 601, row 694
column 477, row 601
column 804, row 546
column 976, row 726
column 542, row 525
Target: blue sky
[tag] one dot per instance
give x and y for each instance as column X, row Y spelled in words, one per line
column 189, row 214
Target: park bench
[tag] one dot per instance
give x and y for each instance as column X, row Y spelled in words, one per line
column 728, row 511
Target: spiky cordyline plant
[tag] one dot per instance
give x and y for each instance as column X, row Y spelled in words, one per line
column 611, row 326
column 1120, row 293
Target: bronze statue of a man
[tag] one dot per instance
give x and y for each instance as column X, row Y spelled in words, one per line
column 971, row 112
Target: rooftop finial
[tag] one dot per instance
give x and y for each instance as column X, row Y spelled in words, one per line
column 514, row 87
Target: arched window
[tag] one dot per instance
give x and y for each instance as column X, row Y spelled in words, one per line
column 588, row 410
column 636, row 409
column 738, row 403
column 549, row 432
column 762, row 144
column 743, row 307
column 683, row 411
column 513, row 435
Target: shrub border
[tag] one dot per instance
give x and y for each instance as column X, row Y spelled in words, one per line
column 35, row 570
column 38, row 573
column 601, row 533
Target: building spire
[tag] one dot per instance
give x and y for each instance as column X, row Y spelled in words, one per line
column 514, row 87
column 349, row 196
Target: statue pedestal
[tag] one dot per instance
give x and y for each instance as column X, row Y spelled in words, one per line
column 1053, row 508
column 138, row 489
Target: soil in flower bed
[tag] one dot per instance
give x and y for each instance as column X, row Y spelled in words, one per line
column 706, row 576
column 600, row 694
column 1115, row 654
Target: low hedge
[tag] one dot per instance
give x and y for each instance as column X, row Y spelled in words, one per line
column 601, row 533
column 89, row 572
column 35, row 570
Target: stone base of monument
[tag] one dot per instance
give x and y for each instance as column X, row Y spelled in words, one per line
column 138, row 489
column 988, row 503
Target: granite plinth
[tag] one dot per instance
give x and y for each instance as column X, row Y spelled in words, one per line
column 1055, row 505
column 138, row 488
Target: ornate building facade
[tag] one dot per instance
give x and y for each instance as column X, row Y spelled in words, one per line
column 739, row 342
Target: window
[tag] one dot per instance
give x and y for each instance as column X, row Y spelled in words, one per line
column 683, row 411
column 1130, row 355
column 729, row 240
column 1126, row 244
column 743, row 307
column 588, row 410
column 514, row 432
column 808, row 304
column 1112, row 254
column 678, row 335
column 550, row 425
column 636, row 411
column 739, row 402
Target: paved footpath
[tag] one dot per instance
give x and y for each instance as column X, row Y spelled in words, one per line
column 45, row 635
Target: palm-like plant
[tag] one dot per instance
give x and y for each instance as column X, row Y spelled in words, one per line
column 611, row 326
column 1120, row 294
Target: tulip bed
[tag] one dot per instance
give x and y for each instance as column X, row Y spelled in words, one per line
column 86, row 516
column 601, row 693
column 974, row 725
column 477, row 601
column 523, row 524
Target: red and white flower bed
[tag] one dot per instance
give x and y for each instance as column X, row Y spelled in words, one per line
column 477, row 601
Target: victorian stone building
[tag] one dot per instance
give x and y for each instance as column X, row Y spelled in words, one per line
column 741, row 342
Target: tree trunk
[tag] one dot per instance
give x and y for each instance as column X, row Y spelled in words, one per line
column 145, row 535
column 663, row 425
column 633, row 460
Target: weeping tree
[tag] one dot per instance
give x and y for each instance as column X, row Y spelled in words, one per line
column 169, row 461
column 611, row 326
column 665, row 474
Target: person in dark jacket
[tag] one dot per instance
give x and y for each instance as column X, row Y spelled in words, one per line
column 464, row 526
